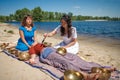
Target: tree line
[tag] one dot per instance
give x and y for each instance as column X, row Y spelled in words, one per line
column 40, row 15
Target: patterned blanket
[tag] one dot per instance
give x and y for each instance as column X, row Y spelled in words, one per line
column 54, row 72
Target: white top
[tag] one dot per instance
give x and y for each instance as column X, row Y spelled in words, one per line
column 67, row 40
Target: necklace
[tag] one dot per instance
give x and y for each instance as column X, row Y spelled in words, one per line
column 28, row 28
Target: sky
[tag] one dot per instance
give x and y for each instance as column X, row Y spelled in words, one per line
column 99, row 8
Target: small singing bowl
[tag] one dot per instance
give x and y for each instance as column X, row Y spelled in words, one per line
column 15, row 52
column 5, row 44
column 72, row 75
column 24, row 56
column 104, row 73
column 104, row 76
column 104, row 70
column 47, row 44
column 62, row 51
column 2, row 46
column 10, row 49
column 96, row 70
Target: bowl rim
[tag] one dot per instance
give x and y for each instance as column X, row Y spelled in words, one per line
column 60, row 49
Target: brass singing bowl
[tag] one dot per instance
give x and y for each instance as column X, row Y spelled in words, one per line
column 47, row 44
column 104, row 73
column 62, row 51
column 15, row 52
column 104, row 76
column 24, row 56
column 106, row 70
column 10, row 49
column 96, row 70
column 4, row 45
column 72, row 75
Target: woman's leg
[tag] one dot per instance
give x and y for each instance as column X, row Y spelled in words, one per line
column 32, row 59
column 34, row 50
column 33, row 55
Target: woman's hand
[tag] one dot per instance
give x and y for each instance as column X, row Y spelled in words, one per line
column 45, row 34
column 29, row 47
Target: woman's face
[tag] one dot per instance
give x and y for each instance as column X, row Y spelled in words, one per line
column 29, row 20
column 63, row 23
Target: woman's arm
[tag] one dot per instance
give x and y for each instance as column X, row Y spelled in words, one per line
column 50, row 34
column 35, row 38
column 56, row 30
column 23, row 38
column 71, row 43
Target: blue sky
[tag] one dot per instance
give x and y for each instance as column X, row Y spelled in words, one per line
column 109, row 8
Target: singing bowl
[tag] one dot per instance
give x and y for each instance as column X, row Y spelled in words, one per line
column 24, row 56
column 62, row 51
column 104, row 76
column 10, row 49
column 104, row 70
column 4, row 45
column 47, row 44
column 104, row 73
column 72, row 75
column 96, row 70
column 15, row 52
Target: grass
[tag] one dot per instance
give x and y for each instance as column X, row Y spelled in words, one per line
column 10, row 31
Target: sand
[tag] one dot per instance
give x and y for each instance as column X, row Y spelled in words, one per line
column 100, row 50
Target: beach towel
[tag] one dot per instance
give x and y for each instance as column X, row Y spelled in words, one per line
column 54, row 72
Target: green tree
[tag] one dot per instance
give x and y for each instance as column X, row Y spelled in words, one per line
column 51, row 16
column 11, row 17
column 37, row 14
column 45, row 15
column 70, row 14
column 2, row 18
column 20, row 13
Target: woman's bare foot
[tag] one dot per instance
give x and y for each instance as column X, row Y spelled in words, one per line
column 32, row 61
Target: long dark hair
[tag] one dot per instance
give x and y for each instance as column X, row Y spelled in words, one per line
column 69, row 25
column 23, row 23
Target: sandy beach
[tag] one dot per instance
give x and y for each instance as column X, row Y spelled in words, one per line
column 100, row 50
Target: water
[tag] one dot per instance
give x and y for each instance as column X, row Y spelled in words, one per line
column 109, row 29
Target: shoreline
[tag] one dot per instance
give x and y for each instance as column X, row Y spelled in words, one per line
column 96, row 49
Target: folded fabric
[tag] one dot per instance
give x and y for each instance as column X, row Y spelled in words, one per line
column 47, row 51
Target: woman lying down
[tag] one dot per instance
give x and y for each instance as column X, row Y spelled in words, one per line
column 69, row 61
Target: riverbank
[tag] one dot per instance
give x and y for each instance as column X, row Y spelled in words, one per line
column 101, row 50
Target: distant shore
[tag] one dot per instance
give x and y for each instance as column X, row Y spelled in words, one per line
column 100, row 50
column 96, row 20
